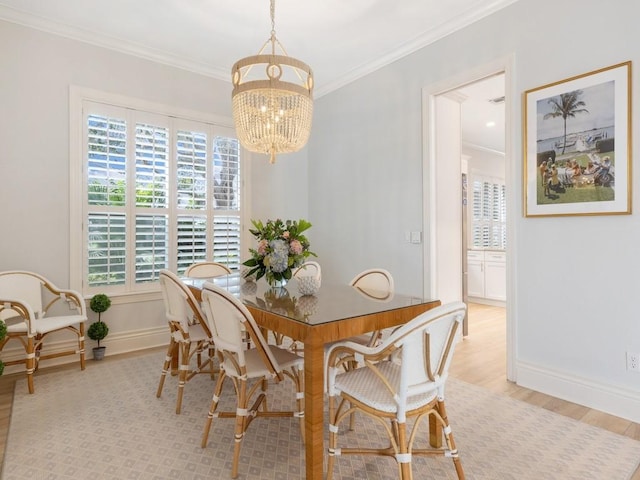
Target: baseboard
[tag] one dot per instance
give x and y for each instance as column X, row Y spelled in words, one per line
column 486, row 301
column 620, row 402
column 131, row 341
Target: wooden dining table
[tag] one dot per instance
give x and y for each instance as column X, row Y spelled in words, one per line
column 335, row 312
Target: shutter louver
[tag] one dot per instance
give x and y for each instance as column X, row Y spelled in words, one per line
column 192, row 170
column 226, row 241
column 106, row 162
column 226, row 173
column 192, row 240
column 488, row 214
column 152, row 235
column 106, row 248
column 152, row 155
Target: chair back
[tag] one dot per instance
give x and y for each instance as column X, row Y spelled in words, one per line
column 309, row 268
column 424, row 348
column 375, row 282
column 229, row 321
column 24, row 286
column 181, row 307
column 206, row 270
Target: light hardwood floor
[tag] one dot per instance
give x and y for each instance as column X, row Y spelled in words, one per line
column 479, row 359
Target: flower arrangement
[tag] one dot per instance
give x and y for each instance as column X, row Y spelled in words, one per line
column 281, row 248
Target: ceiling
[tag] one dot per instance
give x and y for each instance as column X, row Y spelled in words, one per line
column 483, row 114
column 341, row 40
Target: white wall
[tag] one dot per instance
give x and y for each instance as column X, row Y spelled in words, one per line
column 37, row 70
column 574, row 284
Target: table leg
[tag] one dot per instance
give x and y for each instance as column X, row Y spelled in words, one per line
column 314, row 410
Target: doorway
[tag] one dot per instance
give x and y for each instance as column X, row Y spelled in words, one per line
column 484, row 207
column 447, row 141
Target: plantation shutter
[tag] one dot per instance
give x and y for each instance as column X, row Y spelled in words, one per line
column 226, row 193
column 161, row 192
column 106, row 186
column 152, row 183
column 488, row 214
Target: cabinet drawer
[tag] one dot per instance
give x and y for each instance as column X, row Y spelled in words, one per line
column 475, row 255
column 495, row 257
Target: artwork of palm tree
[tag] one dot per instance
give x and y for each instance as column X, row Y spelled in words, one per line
column 565, row 106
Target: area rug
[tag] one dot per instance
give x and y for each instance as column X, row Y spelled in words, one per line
column 106, row 423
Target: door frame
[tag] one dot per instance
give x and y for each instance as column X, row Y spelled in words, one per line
column 505, row 65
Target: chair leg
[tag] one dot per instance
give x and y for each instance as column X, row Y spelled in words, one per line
column 165, row 367
column 212, row 409
column 81, row 345
column 183, row 372
column 241, row 421
column 299, row 380
column 403, row 449
column 333, row 437
column 30, row 362
column 451, row 444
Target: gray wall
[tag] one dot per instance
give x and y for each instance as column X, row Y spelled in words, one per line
column 38, row 69
column 573, row 278
column 572, row 285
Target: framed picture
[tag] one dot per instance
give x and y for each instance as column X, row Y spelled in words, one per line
column 577, row 142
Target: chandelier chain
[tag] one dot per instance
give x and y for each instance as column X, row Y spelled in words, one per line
column 273, row 25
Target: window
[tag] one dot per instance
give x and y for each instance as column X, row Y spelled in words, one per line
column 488, row 213
column 157, row 191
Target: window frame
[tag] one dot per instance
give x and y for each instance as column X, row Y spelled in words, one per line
column 78, row 98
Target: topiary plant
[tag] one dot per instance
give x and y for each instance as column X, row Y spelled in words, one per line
column 100, row 303
column 98, row 330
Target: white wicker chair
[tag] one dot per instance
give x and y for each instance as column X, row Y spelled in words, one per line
column 377, row 284
column 190, row 335
column 402, row 378
column 206, row 270
column 248, row 369
column 26, row 299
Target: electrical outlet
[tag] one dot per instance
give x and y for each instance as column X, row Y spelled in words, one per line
column 633, row 361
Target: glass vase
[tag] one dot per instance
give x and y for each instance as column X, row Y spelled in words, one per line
column 278, row 283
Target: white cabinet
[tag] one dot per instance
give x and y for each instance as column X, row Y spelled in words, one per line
column 487, row 275
column 475, row 274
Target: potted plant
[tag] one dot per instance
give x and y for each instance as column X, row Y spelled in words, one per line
column 98, row 330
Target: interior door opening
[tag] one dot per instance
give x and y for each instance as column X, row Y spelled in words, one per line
column 474, row 116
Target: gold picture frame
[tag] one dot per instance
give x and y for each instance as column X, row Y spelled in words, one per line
column 577, row 145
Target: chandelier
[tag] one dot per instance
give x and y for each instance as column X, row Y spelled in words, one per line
column 272, row 113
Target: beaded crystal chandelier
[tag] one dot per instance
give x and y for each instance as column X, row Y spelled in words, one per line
column 272, row 113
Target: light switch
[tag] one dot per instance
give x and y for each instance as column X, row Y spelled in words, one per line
column 416, row 237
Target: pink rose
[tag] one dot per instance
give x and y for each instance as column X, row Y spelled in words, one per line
column 296, row 247
column 285, row 234
column 262, row 247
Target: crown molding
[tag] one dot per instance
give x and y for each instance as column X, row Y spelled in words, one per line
column 414, row 45
column 111, row 43
column 195, row 66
